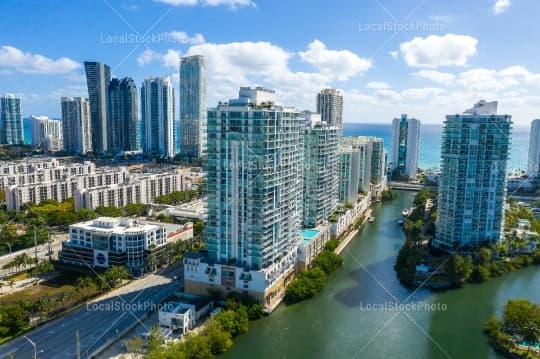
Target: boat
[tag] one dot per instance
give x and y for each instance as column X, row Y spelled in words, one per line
column 405, row 212
column 401, row 221
column 371, row 219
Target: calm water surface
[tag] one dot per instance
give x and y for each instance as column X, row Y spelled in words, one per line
column 337, row 324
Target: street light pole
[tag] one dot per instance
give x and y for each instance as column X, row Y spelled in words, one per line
column 35, row 245
column 33, row 344
column 49, row 244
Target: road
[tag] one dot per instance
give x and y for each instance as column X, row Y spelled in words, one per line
column 99, row 322
column 56, row 246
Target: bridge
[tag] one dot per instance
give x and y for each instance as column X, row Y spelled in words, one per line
column 405, row 186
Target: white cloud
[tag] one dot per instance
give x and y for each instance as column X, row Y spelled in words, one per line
column 170, row 59
column 436, row 51
column 377, row 85
column 388, row 95
column 485, row 80
column 342, row 64
column 436, row 76
column 182, row 37
column 11, row 58
column 230, row 3
column 415, row 94
column 501, row 6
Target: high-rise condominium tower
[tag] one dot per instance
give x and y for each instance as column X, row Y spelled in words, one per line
column 534, row 150
column 157, row 108
column 371, row 157
column 321, row 172
column 255, row 172
column 77, row 131
column 405, row 140
column 472, row 185
column 46, row 133
column 193, row 107
column 330, row 106
column 98, row 76
column 11, row 127
column 124, row 115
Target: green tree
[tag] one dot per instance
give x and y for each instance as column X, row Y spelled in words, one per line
column 460, row 269
column 14, row 318
column 518, row 312
column 197, row 347
column 135, row 209
column 306, row 285
column 109, row 211
column 328, row 261
column 219, row 340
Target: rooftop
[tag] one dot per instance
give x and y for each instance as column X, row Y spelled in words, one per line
column 116, row 225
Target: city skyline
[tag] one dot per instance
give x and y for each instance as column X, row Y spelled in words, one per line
column 411, row 70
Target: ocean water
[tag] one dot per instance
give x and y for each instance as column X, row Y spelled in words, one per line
column 27, row 135
column 430, row 142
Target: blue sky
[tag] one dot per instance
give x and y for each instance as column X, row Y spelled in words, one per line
column 422, row 57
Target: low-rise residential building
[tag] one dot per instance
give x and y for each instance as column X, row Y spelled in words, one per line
column 59, row 184
column 177, row 316
column 346, row 219
column 32, row 171
column 183, row 314
column 142, row 188
column 312, row 244
column 104, row 242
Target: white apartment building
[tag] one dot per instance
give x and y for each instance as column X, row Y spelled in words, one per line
column 34, row 171
column 59, row 184
column 46, row 133
column 138, row 189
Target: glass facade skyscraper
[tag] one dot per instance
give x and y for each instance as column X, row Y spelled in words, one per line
column 321, row 178
column 472, row 185
column 76, row 128
column 123, row 115
column 405, row 140
column 157, row 108
column 193, row 107
column 330, row 106
column 98, row 76
column 255, row 179
column 11, row 126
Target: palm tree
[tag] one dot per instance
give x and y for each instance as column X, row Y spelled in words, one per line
column 11, row 282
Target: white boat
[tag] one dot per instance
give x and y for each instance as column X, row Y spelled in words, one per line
column 371, row 219
column 405, row 212
column 401, row 221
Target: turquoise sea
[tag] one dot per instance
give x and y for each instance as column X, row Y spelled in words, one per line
column 430, row 142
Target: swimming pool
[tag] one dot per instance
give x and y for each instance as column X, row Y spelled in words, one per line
column 308, row 235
